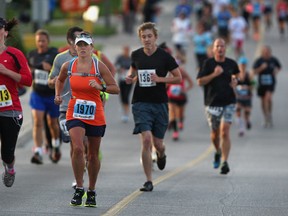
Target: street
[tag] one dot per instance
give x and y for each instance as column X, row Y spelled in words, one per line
column 256, row 185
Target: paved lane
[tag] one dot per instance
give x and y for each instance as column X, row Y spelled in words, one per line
column 256, row 185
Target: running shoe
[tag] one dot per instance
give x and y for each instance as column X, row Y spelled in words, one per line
column 217, row 160
column 77, row 197
column 37, row 158
column 55, row 155
column 161, row 162
column 8, row 176
column 175, row 135
column 225, row 168
column 147, row 187
column 91, row 199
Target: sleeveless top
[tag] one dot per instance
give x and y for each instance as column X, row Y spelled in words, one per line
column 85, row 103
column 175, row 91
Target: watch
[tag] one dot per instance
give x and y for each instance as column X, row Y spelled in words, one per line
column 103, row 88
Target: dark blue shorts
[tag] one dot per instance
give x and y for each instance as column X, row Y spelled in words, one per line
column 45, row 104
column 90, row 130
column 150, row 117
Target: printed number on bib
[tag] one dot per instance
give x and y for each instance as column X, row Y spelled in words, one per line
column 84, row 109
column 41, row 77
column 63, row 127
column 266, row 79
column 216, row 111
column 175, row 90
column 241, row 91
column 145, row 78
column 5, row 97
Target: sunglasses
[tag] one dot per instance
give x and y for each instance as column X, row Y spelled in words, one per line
column 83, row 35
column 2, row 26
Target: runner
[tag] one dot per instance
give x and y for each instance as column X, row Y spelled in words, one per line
column 266, row 67
column 219, row 78
column 244, row 97
column 42, row 98
column 122, row 63
column 149, row 68
column 59, row 60
column 177, row 95
column 85, row 113
column 14, row 71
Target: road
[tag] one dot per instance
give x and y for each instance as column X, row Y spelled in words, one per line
column 256, row 185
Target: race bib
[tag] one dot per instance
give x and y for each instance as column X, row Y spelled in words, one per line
column 266, row 79
column 216, row 111
column 145, row 78
column 175, row 90
column 241, row 91
column 63, row 127
column 5, row 97
column 41, row 77
column 84, row 109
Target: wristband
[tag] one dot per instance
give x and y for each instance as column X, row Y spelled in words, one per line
column 103, row 88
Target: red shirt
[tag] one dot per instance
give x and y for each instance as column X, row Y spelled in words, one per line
column 9, row 99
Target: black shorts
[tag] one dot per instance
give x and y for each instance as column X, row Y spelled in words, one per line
column 180, row 103
column 255, row 18
column 223, row 32
column 90, row 130
column 244, row 103
column 267, row 10
column 261, row 90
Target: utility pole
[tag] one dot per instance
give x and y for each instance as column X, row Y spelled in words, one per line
column 40, row 13
column 3, row 9
column 107, row 12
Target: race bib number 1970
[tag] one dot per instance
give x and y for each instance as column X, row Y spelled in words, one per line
column 84, row 109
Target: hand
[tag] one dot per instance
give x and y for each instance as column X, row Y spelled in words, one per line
column 154, row 77
column 218, row 70
column 129, row 79
column 264, row 65
column 52, row 82
column 46, row 66
column 234, row 81
column 57, row 100
column 94, row 84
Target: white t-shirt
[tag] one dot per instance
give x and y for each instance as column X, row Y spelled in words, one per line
column 182, row 31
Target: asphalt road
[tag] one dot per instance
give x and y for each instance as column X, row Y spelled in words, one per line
column 256, row 185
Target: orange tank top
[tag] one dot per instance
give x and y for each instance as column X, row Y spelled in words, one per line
column 85, row 103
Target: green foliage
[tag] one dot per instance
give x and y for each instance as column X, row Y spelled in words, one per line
column 15, row 40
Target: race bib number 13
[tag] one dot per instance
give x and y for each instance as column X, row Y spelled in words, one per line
column 5, row 97
column 145, row 78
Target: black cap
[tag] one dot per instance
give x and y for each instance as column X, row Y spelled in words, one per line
column 2, row 23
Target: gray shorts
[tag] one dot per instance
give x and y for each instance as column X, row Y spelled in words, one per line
column 217, row 114
column 150, row 117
